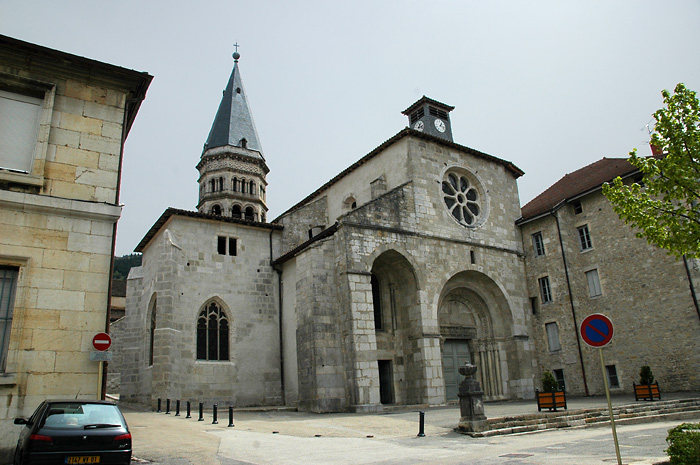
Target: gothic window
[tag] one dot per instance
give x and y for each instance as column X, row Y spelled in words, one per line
column 545, row 290
column 463, row 197
column 212, row 333
column 249, row 214
column 152, row 333
column 236, row 211
column 215, row 210
column 8, row 284
column 584, row 237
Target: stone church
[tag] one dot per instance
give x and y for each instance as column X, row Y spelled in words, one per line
column 372, row 290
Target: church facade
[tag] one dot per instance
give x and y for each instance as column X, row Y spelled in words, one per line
column 372, row 290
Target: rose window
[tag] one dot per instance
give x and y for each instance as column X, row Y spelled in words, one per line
column 462, row 198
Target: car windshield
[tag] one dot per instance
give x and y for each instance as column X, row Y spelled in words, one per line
column 73, row 415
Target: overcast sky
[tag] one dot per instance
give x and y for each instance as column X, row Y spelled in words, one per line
column 551, row 86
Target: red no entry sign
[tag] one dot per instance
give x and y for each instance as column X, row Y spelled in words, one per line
column 597, row 330
column 101, row 341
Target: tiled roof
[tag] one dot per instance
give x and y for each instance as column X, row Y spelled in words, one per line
column 576, row 183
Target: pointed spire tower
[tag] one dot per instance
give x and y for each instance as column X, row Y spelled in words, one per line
column 232, row 169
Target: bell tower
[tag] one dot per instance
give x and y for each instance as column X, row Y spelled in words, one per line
column 431, row 117
column 232, row 168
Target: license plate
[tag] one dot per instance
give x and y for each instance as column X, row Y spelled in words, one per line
column 83, row 459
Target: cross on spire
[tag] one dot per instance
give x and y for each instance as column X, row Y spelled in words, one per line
column 236, row 45
column 236, row 55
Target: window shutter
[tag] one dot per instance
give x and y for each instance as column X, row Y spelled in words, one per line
column 19, row 124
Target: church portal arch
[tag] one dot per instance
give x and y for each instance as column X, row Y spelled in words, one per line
column 395, row 301
column 475, row 322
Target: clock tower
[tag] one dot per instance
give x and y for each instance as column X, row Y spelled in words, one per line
column 431, row 117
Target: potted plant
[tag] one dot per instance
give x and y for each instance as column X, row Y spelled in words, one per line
column 648, row 388
column 550, row 397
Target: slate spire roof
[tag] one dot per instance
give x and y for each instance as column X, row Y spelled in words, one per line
column 233, row 124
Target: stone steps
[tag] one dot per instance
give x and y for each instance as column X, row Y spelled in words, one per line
column 639, row 412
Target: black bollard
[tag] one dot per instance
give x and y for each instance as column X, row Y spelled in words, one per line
column 421, row 427
column 177, row 408
column 215, row 422
column 167, row 407
column 188, row 410
column 159, row 410
column 201, row 412
column 230, row 416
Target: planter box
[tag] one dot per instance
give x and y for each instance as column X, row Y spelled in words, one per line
column 646, row 391
column 550, row 400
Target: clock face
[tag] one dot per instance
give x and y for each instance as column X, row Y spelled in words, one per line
column 418, row 126
column 440, row 125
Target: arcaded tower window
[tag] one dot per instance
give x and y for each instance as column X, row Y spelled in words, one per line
column 464, row 197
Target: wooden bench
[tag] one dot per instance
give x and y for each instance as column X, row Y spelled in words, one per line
column 646, row 391
column 550, row 400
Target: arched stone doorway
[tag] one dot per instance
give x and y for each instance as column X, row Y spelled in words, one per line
column 397, row 329
column 474, row 321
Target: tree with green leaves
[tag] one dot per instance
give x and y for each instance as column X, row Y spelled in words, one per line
column 665, row 205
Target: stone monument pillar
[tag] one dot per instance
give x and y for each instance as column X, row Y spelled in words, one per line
column 471, row 404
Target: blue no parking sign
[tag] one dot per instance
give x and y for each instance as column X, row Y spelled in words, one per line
column 597, row 330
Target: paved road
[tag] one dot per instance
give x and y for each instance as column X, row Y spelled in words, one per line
column 297, row 438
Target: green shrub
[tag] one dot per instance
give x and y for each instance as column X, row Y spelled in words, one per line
column 549, row 383
column 645, row 375
column 684, row 444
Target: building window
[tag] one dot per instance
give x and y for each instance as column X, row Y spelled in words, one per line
column 235, row 184
column 578, row 209
column 244, row 185
column 19, row 126
column 538, row 244
column 377, row 304
column 462, row 194
column 8, row 284
column 251, row 189
column 236, row 211
column 593, row 283
column 611, row 372
column 472, row 257
column 559, row 376
column 212, row 333
column 215, row 210
column 221, row 245
column 553, row 337
column 533, row 305
column 584, row 237
column 545, row 290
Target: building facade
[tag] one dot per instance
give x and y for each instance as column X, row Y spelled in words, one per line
column 582, row 260
column 63, row 121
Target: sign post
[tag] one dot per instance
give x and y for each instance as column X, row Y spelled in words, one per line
column 101, row 342
column 597, row 331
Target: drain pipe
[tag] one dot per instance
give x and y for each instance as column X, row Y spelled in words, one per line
column 281, row 330
column 571, row 301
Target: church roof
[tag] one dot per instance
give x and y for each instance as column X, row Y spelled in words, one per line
column 233, row 124
column 509, row 166
column 575, row 184
column 170, row 212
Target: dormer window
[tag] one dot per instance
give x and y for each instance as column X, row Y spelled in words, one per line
column 244, row 143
